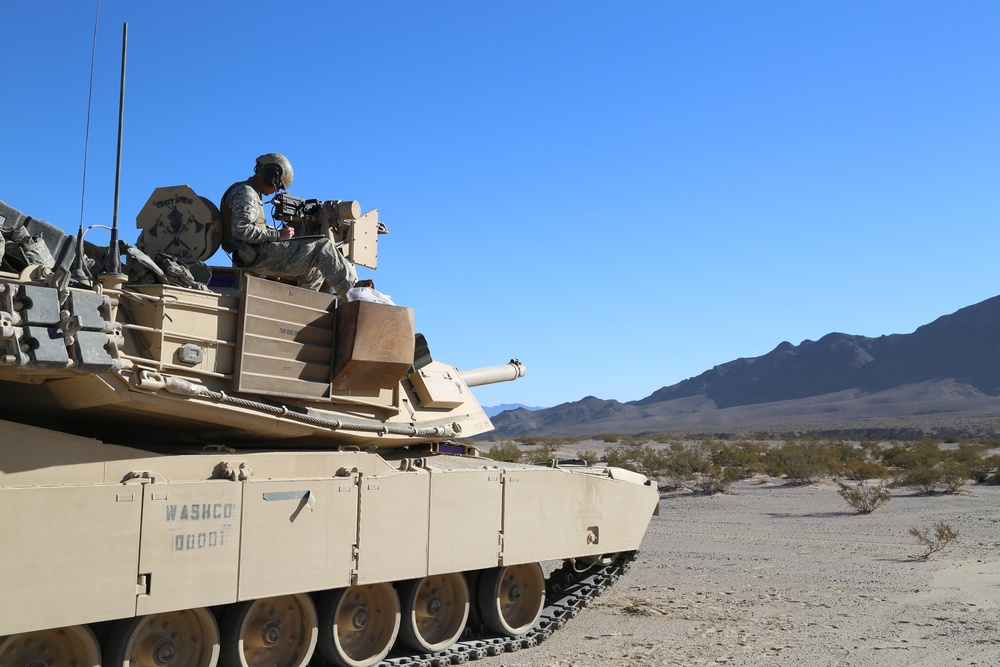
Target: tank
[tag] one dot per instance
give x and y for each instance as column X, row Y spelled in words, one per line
column 201, row 466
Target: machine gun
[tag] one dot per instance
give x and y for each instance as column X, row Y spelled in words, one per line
column 309, row 215
column 339, row 220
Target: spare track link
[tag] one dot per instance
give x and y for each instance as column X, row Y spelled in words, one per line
column 567, row 591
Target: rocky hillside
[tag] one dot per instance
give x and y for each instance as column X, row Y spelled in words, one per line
column 948, row 368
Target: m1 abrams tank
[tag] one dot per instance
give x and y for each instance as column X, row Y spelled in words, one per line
column 225, row 469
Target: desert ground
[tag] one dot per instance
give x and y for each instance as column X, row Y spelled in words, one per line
column 773, row 574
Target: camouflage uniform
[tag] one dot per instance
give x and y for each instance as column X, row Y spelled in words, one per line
column 255, row 246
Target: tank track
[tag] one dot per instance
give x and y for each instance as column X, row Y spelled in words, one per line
column 567, row 591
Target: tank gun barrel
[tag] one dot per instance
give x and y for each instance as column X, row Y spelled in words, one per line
column 490, row 374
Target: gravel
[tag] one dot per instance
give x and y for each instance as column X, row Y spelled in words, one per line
column 772, row 574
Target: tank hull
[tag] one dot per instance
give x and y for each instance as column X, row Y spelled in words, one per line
column 107, row 532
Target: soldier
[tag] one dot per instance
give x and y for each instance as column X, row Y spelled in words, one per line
column 266, row 251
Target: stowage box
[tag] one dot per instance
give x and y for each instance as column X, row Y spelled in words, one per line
column 374, row 345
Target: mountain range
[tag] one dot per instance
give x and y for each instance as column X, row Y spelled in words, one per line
column 943, row 376
column 493, row 410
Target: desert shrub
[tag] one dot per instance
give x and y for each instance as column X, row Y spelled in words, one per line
column 608, row 437
column 968, row 453
column 799, row 463
column 556, row 441
column 867, row 444
column 590, row 456
column 891, row 455
column 505, row 451
column 954, row 476
column 773, row 462
column 692, row 468
column 924, row 478
column 932, row 543
column 539, row 454
column 842, row 455
column 713, row 479
column 981, row 470
column 746, row 459
column 923, row 454
column 948, row 477
column 631, row 457
column 678, row 465
column 862, row 469
column 863, row 497
column 675, row 467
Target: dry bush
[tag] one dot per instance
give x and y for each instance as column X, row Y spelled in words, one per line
column 954, row 475
column 539, row 454
column 987, row 467
column 630, row 457
column 948, row 477
column 505, row 451
column 745, row 458
column 675, row 467
column 910, row 457
column 924, row 478
column 799, row 463
column 862, row 469
column 863, row 497
column 942, row 537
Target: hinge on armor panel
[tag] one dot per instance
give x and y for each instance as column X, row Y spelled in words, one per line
column 143, row 584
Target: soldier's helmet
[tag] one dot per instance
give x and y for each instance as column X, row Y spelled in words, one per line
column 275, row 169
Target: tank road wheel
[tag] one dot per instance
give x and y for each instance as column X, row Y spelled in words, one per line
column 62, row 647
column 273, row 632
column 358, row 625
column 187, row 638
column 435, row 610
column 511, row 598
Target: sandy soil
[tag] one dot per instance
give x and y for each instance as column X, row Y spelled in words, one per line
column 781, row 575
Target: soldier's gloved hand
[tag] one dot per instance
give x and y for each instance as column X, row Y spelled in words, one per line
column 365, row 283
column 285, row 233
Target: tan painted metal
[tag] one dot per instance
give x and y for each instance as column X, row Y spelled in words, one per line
column 112, row 532
column 274, row 448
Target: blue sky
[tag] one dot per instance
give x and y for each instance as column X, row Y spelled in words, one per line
column 621, row 195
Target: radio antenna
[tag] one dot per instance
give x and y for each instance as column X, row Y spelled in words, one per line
column 79, row 270
column 90, row 98
column 113, row 263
